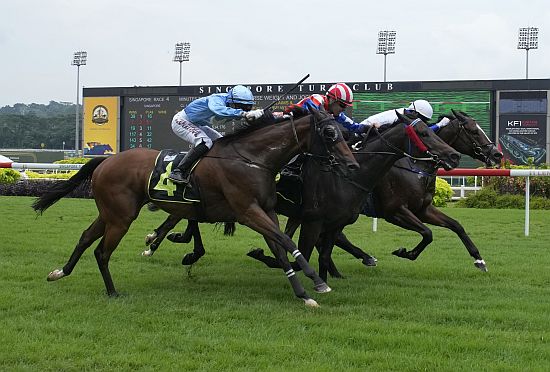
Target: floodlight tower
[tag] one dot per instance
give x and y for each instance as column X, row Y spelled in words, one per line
column 182, row 54
column 386, row 45
column 528, row 39
column 79, row 59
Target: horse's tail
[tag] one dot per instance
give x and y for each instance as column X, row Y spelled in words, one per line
column 62, row 188
column 229, row 228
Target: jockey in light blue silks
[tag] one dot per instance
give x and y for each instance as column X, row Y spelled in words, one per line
column 193, row 124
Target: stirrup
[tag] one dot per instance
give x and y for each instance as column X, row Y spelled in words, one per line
column 179, row 177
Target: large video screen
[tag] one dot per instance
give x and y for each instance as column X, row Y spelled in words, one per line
column 476, row 104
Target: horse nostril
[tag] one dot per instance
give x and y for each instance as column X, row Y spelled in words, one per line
column 455, row 156
column 353, row 166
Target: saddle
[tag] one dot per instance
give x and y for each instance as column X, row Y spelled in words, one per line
column 161, row 188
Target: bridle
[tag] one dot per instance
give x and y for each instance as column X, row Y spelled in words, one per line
column 478, row 149
column 398, row 151
column 328, row 159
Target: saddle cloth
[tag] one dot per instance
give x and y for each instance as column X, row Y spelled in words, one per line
column 161, row 188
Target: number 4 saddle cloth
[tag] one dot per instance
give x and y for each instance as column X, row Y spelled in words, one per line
column 161, row 188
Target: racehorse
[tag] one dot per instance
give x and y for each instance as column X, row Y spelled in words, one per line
column 237, row 184
column 332, row 202
column 404, row 195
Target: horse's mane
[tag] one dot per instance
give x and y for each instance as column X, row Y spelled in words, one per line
column 265, row 120
column 448, row 116
column 244, row 128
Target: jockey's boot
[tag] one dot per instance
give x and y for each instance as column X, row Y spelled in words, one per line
column 182, row 171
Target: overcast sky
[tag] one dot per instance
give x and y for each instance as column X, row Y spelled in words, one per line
column 131, row 42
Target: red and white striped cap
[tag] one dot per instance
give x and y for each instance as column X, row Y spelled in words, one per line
column 342, row 93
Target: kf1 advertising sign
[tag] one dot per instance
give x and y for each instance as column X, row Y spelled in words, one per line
column 523, row 136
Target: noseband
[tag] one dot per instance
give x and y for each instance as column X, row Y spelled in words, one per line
column 478, row 149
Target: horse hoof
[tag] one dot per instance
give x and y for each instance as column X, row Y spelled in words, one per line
column 256, row 253
column 150, row 238
column 369, row 261
column 188, row 259
column 480, row 264
column 401, row 252
column 311, row 302
column 322, row 288
column 179, row 238
column 55, row 275
column 147, row 253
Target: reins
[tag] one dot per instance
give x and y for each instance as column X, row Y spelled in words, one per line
column 391, row 146
column 478, row 149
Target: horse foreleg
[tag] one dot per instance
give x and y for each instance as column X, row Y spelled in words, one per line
column 343, row 242
column 434, row 216
column 90, row 235
column 292, row 225
column 271, row 262
column 267, row 224
column 406, row 219
column 154, row 239
column 326, row 244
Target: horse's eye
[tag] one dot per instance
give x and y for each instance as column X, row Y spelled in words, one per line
column 330, row 133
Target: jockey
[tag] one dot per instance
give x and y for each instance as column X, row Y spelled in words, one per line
column 338, row 97
column 421, row 108
column 193, row 124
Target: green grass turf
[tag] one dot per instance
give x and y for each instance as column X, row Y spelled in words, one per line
column 438, row 313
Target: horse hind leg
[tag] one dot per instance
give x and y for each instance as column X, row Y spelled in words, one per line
column 198, row 246
column 406, row 219
column 104, row 250
column 90, row 235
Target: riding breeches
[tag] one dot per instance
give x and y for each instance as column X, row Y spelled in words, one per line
column 192, row 133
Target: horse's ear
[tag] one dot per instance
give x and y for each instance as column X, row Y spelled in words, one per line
column 459, row 115
column 401, row 117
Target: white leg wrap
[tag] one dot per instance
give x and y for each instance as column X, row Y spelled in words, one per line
column 290, row 273
column 296, row 253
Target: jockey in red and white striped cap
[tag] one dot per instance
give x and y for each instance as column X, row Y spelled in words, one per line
column 338, row 97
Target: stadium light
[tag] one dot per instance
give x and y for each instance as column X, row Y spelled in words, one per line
column 528, row 39
column 79, row 59
column 182, row 54
column 386, row 45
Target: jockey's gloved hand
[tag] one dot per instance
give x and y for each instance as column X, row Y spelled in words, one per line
column 364, row 128
column 254, row 114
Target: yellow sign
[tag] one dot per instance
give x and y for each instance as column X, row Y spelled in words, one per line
column 101, row 122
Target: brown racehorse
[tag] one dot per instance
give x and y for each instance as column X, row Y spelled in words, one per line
column 237, row 183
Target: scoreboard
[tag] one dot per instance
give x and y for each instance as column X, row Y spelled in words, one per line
column 146, row 121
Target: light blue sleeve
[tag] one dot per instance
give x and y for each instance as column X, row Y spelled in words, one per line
column 349, row 124
column 216, row 104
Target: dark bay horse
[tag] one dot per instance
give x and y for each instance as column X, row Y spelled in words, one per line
column 237, row 183
column 331, row 202
column 404, row 195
